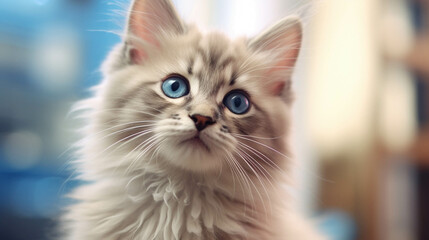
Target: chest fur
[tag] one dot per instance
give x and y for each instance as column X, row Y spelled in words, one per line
column 165, row 209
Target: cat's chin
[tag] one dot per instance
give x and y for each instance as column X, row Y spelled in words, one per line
column 196, row 143
column 192, row 154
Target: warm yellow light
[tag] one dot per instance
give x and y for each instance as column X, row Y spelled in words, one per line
column 343, row 73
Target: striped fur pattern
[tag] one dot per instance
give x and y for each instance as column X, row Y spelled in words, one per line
column 145, row 177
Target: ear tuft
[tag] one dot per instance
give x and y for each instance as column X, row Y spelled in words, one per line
column 282, row 42
column 148, row 21
column 135, row 55
column 276, row 88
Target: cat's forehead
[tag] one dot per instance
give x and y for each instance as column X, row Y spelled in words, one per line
column 214, row 48
column 215, row 61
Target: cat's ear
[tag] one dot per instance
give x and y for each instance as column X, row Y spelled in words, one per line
column 281, row 43
column 148, row 20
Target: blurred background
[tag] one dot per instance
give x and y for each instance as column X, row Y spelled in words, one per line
column 361, row 127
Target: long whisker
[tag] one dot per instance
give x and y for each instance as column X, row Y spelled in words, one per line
column 264, row 145
column 245, row 179
column 129, row 137
column 156, row 151
column 259, row 166
column 82, row 141
column 126, row 130
column 126, row 109
column 145, row 132
column 150, row 146
column 244, row 185
column 261, row 156
column 142, row 144
column 231, row 167
column 266, row 174
column 259, row 179
column 267, row 160
column 143, row 148
column 259, row 137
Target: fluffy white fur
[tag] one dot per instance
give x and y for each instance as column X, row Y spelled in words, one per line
column 147, row 178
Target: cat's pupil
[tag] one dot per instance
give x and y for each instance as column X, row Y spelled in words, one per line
column 175, row 86
column 237, row 102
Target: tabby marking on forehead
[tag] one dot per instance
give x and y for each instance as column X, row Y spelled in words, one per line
column 216, row 63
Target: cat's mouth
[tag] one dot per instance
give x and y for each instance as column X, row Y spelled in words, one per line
column 196, row 141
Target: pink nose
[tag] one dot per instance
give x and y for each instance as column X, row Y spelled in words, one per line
column 201, row 121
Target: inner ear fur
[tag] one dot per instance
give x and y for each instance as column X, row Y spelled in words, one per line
column 148, row 20
column 282, row 42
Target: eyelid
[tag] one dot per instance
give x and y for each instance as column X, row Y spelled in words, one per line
column 175, row 75
column 244, row 92
column 179, row 76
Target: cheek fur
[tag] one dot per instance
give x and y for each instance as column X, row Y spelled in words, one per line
column 247, row 125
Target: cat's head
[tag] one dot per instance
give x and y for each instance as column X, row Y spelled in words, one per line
column 173, row 95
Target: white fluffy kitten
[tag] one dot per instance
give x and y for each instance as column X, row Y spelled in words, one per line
column 186, row 135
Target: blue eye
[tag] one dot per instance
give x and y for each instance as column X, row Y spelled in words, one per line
column 237, row 102
column 175, row 87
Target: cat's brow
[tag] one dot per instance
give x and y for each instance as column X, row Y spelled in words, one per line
column 227, row 61
column 203, row 54
column 233, row 79
column 212, row 57
column 191, row 66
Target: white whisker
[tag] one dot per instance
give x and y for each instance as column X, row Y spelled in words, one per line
column 264, row 145
column 253, row 184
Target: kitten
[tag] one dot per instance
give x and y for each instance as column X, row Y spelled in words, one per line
column 187, row 135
